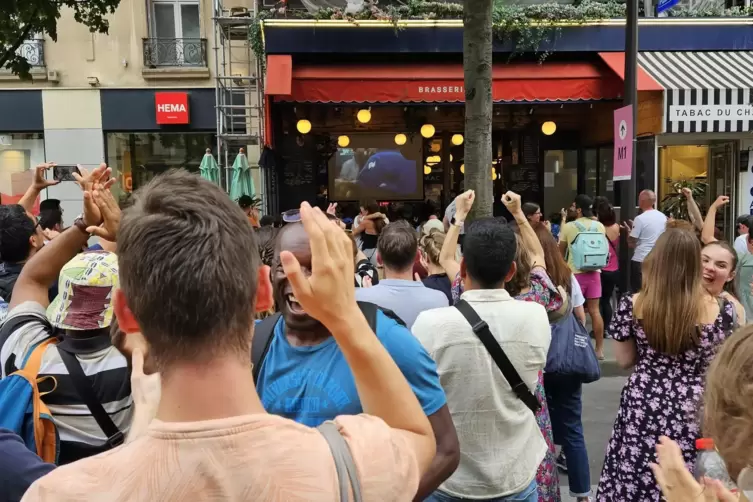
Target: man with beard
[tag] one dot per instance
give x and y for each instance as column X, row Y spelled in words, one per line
column 304, row 377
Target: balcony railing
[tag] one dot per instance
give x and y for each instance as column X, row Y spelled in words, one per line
column 171, row 52
column 33, row 52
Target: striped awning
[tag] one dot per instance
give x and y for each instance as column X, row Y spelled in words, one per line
column 704, row 91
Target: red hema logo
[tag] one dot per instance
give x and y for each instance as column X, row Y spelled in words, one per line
column 172, row 107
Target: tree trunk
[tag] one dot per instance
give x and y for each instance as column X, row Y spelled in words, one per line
column 477, row 69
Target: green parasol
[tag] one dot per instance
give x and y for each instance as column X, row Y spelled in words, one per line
column 209, row 169
column 242, row 183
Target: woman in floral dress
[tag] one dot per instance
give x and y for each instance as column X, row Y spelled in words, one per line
column 670, row 331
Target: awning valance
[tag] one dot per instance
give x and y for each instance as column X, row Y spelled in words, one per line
column 704, row 91
column 443, row 83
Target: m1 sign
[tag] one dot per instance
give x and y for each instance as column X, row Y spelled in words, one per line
column 172, row 107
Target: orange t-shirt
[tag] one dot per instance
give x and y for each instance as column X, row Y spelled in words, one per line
column 253, row 220
column 254, row 457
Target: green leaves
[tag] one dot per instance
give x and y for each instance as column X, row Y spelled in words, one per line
column 27, row 19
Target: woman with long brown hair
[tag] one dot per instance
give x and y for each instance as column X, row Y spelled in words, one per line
column 670, row 332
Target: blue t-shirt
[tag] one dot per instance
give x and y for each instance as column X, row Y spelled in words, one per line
column 311, row 385
column 389, row 171
column 19, row 467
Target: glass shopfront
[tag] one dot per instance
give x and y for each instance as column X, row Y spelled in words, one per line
column 19, row 152
column 139, row 157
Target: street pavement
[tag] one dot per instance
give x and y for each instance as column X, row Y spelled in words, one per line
column 600, row 402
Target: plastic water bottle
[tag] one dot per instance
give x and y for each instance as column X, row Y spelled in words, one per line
column 710, row 465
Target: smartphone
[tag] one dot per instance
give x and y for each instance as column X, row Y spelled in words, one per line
column 65, row 172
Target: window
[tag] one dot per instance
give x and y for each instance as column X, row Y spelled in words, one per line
column 176, row 27
column 18, row 153
column 139, row 157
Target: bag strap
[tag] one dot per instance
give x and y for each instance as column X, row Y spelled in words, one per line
column 85, row 390
column 347, row 474
column 34, row 361
column 263, row 333
column 482, row 331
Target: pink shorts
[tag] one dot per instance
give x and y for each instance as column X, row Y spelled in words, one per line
column 590, row 284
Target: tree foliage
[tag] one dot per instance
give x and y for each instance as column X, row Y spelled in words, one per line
column 23, row 19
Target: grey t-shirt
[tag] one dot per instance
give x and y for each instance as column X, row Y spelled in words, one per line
column 407, row 299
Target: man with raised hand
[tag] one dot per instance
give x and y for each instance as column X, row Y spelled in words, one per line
column 190, row 288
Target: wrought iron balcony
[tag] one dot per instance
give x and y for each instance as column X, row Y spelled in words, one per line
column 172, row 52
column 33, row 52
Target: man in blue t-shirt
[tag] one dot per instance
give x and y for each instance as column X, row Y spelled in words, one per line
column 304, row 376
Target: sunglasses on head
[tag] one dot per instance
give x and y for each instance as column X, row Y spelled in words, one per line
column 291, row 216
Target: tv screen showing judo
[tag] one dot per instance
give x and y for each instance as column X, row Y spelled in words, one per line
column 372, row 168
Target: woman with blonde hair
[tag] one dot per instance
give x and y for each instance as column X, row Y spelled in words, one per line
column 430, row 247
column 670, row 332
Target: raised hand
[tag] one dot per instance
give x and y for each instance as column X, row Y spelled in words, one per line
column 511, row 200
column 328, row 294
column 40, row 182
column 332, row 209
column 686, row 192
column 110, row 212
column 87, row 180
column 721, row 201
column 463, row 204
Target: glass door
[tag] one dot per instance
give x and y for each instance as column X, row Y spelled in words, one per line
column 721, row 180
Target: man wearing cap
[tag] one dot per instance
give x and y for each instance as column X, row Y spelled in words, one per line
column 80, row 316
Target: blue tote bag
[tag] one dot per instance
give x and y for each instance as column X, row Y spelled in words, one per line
column 570, row 352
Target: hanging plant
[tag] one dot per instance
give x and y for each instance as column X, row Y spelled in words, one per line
column 530, row 28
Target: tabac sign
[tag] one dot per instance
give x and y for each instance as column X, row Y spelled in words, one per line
column 172, row 107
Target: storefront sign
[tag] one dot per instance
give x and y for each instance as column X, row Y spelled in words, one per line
column 686, row 113
column 623, row 143
column 172, row 107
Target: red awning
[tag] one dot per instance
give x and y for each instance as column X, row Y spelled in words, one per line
column 437, row 83
column 616, row 61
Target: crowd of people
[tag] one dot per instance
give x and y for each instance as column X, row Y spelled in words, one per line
column 199, row 351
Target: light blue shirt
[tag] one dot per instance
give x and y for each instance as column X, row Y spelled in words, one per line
column 407, row 299
column 313, row 384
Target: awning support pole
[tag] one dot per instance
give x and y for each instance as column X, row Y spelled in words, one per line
column 628, row 196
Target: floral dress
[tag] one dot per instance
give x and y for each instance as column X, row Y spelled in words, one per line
column 661, row 398
column 543, row 292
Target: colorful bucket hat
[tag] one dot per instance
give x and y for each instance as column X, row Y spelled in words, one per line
column 85, row 292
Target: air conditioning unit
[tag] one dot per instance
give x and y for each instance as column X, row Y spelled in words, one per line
column 53, row 76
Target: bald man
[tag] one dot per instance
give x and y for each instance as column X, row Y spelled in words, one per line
column 644, row 232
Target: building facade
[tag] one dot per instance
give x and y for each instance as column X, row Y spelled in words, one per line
column 102, row 98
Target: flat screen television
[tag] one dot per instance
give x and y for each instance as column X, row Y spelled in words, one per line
column 373, row 167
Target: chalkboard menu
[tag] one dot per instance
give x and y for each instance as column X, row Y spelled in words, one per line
column 530, row 149
column 524, row 179
column 297, row 171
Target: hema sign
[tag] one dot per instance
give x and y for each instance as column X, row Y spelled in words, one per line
column 172, row 107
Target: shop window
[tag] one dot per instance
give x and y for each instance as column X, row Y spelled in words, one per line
column 139, row 157
column 18, row 153
column 591, row 167
column 176, row 34
column 606, row 172
column 560, row 179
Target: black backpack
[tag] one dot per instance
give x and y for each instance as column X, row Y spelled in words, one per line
column 264, row 331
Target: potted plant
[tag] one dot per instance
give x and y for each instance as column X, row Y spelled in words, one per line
column 674, row 204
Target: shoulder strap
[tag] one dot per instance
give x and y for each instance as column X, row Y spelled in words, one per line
column 482, row 331
column 260, row 343
column 345, row 466
column 85, row 391
column 15, row 322
column 579, row 226
column 34, row 361
column 371, row 311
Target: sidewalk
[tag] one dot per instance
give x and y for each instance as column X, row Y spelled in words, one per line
column 609, row 367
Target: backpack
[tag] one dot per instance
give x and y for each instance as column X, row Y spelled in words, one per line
column 21, row 408
column 589, row 249
column 264, row 331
